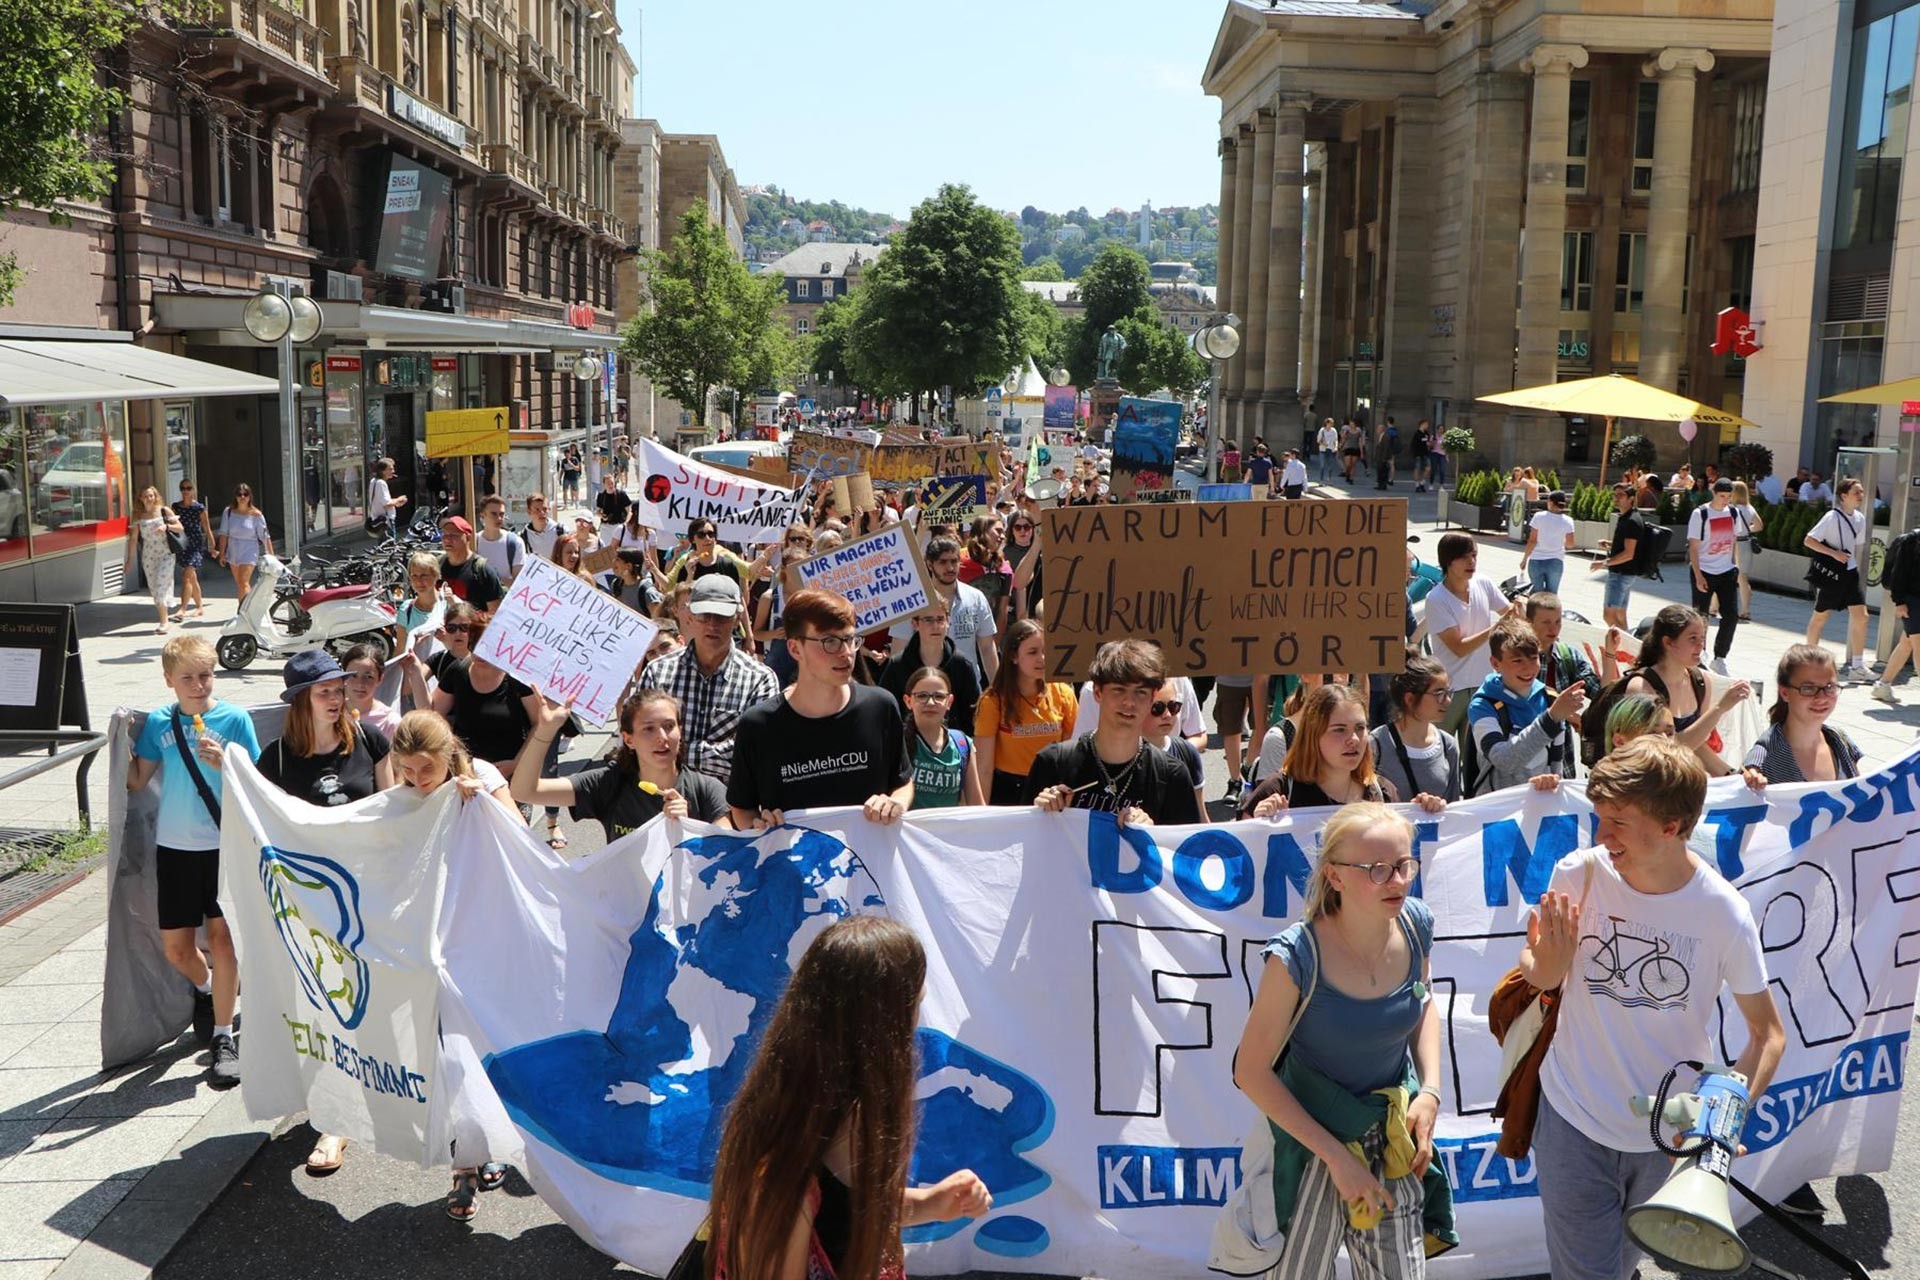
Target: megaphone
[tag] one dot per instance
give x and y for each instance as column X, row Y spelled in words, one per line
column 1688, row 1224
column 1046, row 492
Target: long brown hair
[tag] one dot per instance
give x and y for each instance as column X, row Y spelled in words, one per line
column 1303, row 760
column 625, row 758
column 1006, row 678
column 839, row 1052
column 297, row 732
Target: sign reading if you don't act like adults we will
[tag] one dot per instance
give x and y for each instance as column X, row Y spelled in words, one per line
column 567, row 636
column 1230, row 588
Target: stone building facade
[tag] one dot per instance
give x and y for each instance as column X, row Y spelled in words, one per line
column 1426, row 203
column 439, row 176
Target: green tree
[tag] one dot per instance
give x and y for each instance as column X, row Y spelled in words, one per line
column 1045, row 332
column 1157, row 356
column 1044, row 268
column 53, row 106
column 943, row 306
column 1112, row 287
column 706, row 321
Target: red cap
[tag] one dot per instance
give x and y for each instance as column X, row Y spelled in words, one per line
column 460, row 523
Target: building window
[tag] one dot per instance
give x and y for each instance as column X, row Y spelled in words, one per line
column 802, row 325
column 826, row 288
column 1576, row 271
column 1579, row 129
column 1879, row 89
column 1749, row 119
column 803, row 288
column 1576, row 347
column 1646, row 108
column 1630, row 273
column 1740, row 272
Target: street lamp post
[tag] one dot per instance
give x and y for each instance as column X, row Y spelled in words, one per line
column 280, row 315
column 587, row 370
column 1216, row 341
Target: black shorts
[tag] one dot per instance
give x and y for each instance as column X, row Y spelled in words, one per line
column 1831, row 599
column 1912, row 621
column 189, row 881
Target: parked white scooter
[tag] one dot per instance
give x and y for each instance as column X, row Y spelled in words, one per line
column 342, row 618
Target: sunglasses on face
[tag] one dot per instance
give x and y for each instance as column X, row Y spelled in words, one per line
column 457, row 629
column 1171, row 707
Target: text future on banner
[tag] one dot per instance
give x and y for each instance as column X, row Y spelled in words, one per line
column 675, row 489
column 569, row 637
column 1145, row 437
column 1230, row 588
column 881, row 576
column 1084, row 1068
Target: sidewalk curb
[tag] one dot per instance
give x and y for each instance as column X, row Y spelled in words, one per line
column 138, row 1233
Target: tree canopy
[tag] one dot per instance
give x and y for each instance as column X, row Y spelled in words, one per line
column 1044, row 268
column 706, row 321
column 1113, row 287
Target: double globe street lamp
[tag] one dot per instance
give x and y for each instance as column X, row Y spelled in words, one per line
column 1217, row 341
column 281, row 316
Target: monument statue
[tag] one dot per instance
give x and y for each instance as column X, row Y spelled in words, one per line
column 1112, row 346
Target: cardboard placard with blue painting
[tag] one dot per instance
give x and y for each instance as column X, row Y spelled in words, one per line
column 1145, row 437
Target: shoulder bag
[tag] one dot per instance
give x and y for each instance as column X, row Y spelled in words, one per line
column 193, row 767
column 1523, row 1018
column 1825, row 571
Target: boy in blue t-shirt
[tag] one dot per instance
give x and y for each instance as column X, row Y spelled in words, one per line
column 187, row 834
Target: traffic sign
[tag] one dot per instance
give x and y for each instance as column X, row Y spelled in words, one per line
column 460, row 433
column 806, row 407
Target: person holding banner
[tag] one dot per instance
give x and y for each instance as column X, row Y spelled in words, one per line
column 1329, row 762
column 811, row 1176
column 1021, row 714
column 824, row 741
column 1113, row 769
column 648, row 775
column 1341, row 1054
column 1640, row 936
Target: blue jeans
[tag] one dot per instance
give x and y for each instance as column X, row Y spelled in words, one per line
column 1544, row 575
column 1585, row 1190
column 1437, row 473
column 1329, row 463
column 1619, row 589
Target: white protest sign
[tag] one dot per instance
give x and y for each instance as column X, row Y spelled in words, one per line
column 880, row 575
column 674, row 490
column 569, row 637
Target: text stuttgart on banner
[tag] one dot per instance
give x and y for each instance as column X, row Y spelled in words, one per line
column 674, row 489
column 1086, row 989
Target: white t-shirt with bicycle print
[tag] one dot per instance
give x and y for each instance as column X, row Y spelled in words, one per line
column 1642, row 991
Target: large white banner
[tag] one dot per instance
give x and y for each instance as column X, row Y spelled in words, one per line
column 1086, row 990
column 675, row 489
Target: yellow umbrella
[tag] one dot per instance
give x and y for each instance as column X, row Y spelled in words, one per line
column 1885, row 393
column 1614, row 395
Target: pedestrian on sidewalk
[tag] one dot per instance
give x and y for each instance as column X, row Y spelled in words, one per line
column 243, row 539
column 1549, row 538
column 1326, row 445
column 187, row 838
column 1901, row 581
column 1712, row 532
column 1293, row 476
column 1622, row 559
column 1747, row 517
column 1838, row 538
column 199, row 531
column 147, row 534
column 1436, row 455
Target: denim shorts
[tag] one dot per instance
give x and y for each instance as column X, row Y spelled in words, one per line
column 1619, row 589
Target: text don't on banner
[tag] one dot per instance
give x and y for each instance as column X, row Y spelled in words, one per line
column 569, row 637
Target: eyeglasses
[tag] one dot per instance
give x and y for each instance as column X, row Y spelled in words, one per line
column 930, row 699
column 1443, row 693
column 1815, row 690
column 1168, row 708
column 1381, row 872
column 456, row 628
column 828, row 644
column 705, row 534
column 1023, row 528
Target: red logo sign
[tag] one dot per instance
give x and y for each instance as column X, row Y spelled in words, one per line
column 1733, row 331
column 581, row 315
column 343, row 364
column 445, row 364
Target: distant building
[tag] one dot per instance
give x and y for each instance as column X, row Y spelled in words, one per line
column 1185, row 304
column 1063, row 294
column 819, row 232
column 816, row 274
column 1070, row 233
column 1173, row 272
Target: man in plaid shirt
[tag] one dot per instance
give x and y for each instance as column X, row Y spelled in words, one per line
column 714, row 680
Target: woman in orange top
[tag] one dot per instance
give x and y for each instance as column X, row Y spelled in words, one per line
column 1021, row 715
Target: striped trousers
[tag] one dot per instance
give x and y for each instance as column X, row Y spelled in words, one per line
column 1393, row 1250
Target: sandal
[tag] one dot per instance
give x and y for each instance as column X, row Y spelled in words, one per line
column 492, row 1174
column 1746, row 617
column 466, row 1185
column 326, row 1155
column 556, row 839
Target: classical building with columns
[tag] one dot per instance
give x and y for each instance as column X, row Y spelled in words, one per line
column 1422, row 203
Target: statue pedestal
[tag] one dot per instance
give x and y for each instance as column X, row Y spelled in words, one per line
column 1103, row 402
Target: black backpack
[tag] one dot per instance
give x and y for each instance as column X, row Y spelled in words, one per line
column 1651, row 551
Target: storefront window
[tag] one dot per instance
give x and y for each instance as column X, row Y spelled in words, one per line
column 1851, row 355
column 336, row 458
column 1879, row 86
column 177, row 419
column 75, row 460
column 13, row 489
column 313, row 467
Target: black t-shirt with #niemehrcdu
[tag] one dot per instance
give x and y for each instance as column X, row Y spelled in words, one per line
column 615, row 799
column 784, row 760
column 1153, row 780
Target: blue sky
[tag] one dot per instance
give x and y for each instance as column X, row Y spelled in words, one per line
column 1056, row 103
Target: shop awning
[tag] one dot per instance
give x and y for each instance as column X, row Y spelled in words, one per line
column 216, row 320
column 66, row 372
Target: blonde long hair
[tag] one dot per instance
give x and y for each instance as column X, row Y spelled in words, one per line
column 427, row 733
column 1347, row 825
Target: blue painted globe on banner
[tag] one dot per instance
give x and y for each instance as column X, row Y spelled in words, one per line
column 644, row 1101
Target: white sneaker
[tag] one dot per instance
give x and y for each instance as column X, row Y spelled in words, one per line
column 1861, row 672
column 1883, row 692
column 1718, row 666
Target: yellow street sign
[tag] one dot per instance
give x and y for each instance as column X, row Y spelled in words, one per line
column 459, row 433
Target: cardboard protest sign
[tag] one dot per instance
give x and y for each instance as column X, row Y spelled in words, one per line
column 955, row 498
column 1225, row 492
column 569, row 637
column 1145, row 437
column 600, row 561
column 853, row 493
column 819, row 454
column 1230, row 588
column 1060, row 408
column 881, row 575
column 678, row 490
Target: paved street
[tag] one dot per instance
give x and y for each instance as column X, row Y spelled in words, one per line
column 102, row 1174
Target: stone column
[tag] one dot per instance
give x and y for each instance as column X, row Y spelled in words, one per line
column 1313, row 218
column 1483, row 330
column 1242, row 223
column 1406, row 321
column 1661, row 340
column 1281, row 391
column 1552, row 66
column 1224, row 277
column 1259, row 262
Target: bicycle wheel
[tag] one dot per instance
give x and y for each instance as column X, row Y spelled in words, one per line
column 1664, row 978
